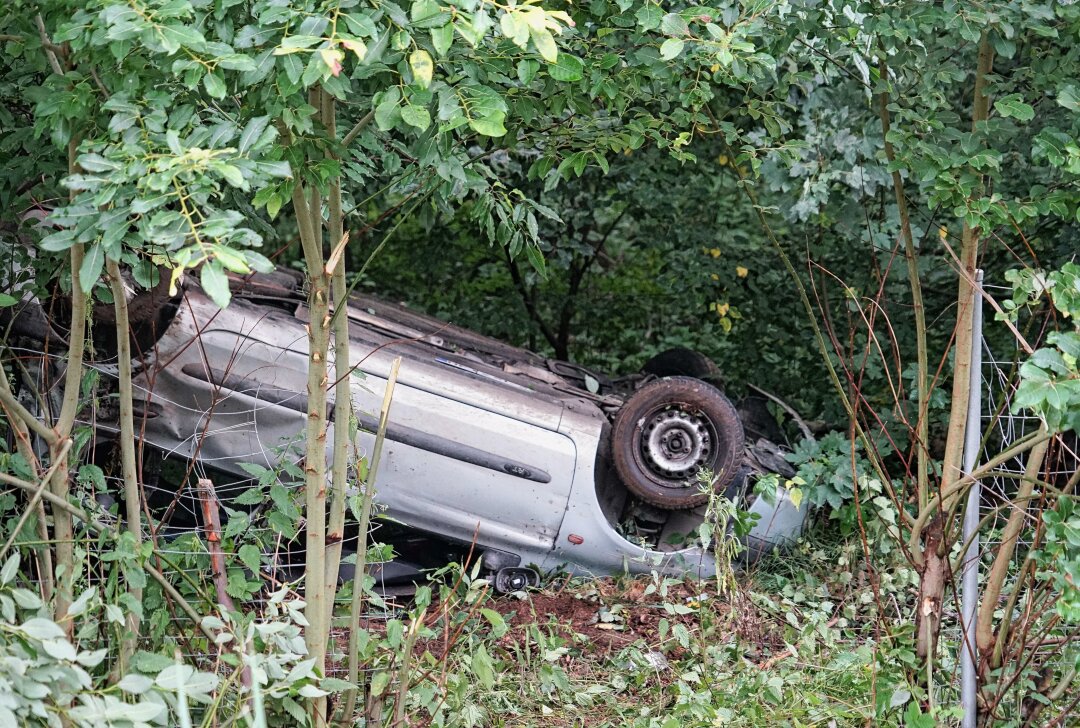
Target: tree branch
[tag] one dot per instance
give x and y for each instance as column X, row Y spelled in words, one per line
column 128, row 466
column 16, row 410
column 922, row 423
column 51, row 50
column 530, row 306
column 357, row 128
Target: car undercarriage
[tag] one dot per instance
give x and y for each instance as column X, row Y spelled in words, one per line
column 531, row 463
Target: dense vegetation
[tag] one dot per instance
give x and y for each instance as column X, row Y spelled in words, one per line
column 803, row 191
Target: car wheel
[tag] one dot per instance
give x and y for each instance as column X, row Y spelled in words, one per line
column 669, row 432
column 682, row 362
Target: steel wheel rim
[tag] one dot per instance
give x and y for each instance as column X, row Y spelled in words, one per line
column 675, row 443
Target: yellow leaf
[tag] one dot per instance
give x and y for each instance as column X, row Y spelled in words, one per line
column 943, row 232
column 715, row 277
column 534, row 17
column 741, row 271
column 714, row 67
column 177, row 274
column 545, row 44
column 422, row 67
column 332, row 57
column 722, row 308
column 355, row 45
column 795, row 494
column 722, row 160
column 714, row 252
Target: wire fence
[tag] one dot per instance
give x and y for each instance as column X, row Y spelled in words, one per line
column 1002, row 426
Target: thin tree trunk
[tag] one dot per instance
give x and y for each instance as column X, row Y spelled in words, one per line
column 922, row 425
column 315, row 439
column 128, row 466
column 969, row 254
column 361, row 550
column 63, row 530
column 995, row 580
column 932, row 559
column 339, row 470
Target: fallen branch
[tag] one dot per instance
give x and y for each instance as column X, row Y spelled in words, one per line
column 212, row 525
column 803, row 427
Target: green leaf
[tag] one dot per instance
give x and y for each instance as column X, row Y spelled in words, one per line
column 6, row 300
column 1013, row 105
column 58, row 241
column 294, row 68
column 237, row 62
column 498, row 624
column 150, row 662
column 674, row 24
column 379, row 682
column 215, row 283
column 491, row 125
column 39, row 628
column 422, row 67
column 361, row 25
column 214, row 85
column 1069, row 97
column 515, row 28
column 295, row 43
column 252, row 132
column 671, row 48
column 526, row 70
column 97, row 163
column 92, row 475
column 176, row 36
column 649, row 17
column 135, row 684
column 567, row 68
column 314, row 71
column 232, row 175
column 250, row 556
column 387, row 114
column 442, row 38
column 536, row 259
column 915, row 718
column 11, row 566
column 90, row 270
column 483, row 668
column 427, row 14
column 416, row 116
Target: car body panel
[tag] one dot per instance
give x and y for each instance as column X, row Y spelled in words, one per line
column 486, row 444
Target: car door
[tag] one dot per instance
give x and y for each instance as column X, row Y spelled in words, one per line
column 461, row 459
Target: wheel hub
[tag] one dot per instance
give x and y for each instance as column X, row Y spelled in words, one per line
column 676, row 444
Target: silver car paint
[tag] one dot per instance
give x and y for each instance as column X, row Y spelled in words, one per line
column 478, row 450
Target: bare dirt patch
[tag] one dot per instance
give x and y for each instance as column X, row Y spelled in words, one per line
column 609, row 615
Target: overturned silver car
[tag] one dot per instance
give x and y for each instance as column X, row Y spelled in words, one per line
column 531, row 462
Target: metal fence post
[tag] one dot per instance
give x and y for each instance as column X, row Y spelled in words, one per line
column 970, row 582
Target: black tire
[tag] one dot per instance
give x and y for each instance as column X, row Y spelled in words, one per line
column 667, row 433
column 682, row 362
